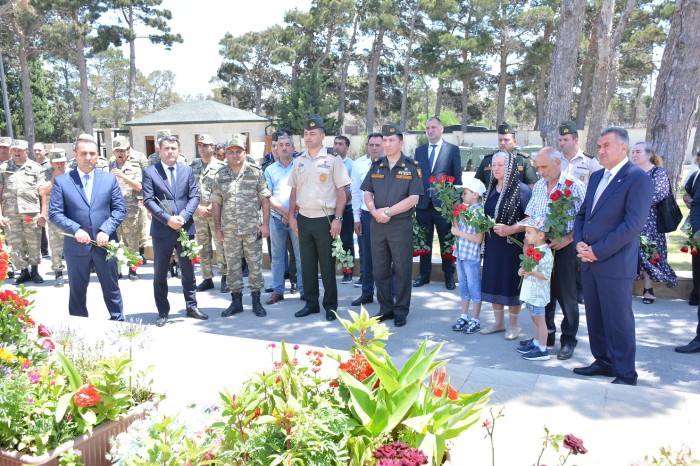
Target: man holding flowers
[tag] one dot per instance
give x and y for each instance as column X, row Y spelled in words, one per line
column 557, row 197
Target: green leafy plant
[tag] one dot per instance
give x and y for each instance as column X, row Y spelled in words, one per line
column 420, row 245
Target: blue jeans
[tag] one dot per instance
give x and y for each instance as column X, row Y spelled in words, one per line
column 278, row 238
column 469, row 276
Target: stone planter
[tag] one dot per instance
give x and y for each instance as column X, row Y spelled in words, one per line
column 93, row 446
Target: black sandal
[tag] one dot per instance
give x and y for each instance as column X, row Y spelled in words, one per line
column 648, row 300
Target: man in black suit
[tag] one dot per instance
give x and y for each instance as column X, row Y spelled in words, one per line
column 606, row 235
column 88, row 204
column 170, row 194
column 436, row 158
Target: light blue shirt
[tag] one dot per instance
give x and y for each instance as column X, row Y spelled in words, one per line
column 360, row 168
column 87, row 185
column 277, row 176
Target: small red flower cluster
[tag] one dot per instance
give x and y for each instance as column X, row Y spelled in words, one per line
column 420, row 252
column 534, row 253
column 4, row 262
column 357, row 366
column 449, row 256
column 399, row 454
column 656, row 258
column 195, row 260
column 11, row 296
column 556, row 195
column 134, row 267
column 87, row 395
column 693, row 252
column 442, row 179
column 459, row 208
column 315, row 358
column 347, row 269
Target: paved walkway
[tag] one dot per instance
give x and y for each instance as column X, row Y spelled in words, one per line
column 619, row 424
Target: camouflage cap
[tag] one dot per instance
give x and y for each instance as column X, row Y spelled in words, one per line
column 162, row 133
column 314, row 122
column 57, row 155
column 204, row 139
column 505, row 128
column 19, row 144
column 120, row 143
column 391, row 129
column 237, row 140
column 568, row 127
column 5, row 142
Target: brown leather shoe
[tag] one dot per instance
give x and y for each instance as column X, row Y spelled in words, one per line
column 276, row 297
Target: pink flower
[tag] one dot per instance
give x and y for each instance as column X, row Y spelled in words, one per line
column 44, row 331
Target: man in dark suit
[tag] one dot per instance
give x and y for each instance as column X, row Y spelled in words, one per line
column 436, row 158
column 170, row 194
column 606, row 234
column 88, row 204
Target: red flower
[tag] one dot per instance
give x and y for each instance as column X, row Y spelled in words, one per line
column 257, row 412
column 437, row 380
column 574, row 444
column 530, row 252
column 456, row 211
column 537, row 256
column 694, row 252
column 48, row 345
column 657, row 256
column 87, row 395
column 568, row 183
column 684, row 248
column 443, row 178
column 432, row 179
column 567, row 193
column 555, row 195
column 44, row 331
column 415, row 253
column 196, row 260
column 27, row 219
column 450, row 179
column 357, row 366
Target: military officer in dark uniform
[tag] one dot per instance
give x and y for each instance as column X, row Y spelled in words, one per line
column 392, row 189
column 506, row 141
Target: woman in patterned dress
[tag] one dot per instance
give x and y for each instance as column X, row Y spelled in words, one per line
column 660, row 271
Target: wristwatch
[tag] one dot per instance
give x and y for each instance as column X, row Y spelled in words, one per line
column 387, row 212
column 340, row 219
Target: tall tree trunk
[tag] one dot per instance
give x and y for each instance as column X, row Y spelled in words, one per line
column 132, row 68
column 696, row 140
column 407, row 64
column 563, row 71
column 372, row 78
column 438, row 97
column 503, row 68
column 545, row 69
column 84, row 91
column 616, row 41
column 27, row 105
column 635, row 104
column 345, row 67
column 464, row 122
column 588, row 70
column 677, row 89
column 599, row 111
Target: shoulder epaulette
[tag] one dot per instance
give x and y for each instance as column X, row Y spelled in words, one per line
column 588, row 155
column 522, row 154
column 376, row 159
column 411, row 160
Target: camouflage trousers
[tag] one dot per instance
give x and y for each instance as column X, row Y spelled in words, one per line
column 131, row 229
column 56, row 245
column 145, row 224
column 250, row 247
column 204, row 234
column 25, row 240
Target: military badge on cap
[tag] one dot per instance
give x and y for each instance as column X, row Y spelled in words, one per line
column 505, row 128
column 568, row 127
column 120, row 143
column 162, row 133
column 5, row 142
column 237, row 140
column 391, row 129
column 314, row 122
column 57, row 155
column 19, row 144
column 204, row 139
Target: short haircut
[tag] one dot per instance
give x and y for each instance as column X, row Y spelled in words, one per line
column 344, row 138
column 220, row 146
column 287, row 137
column 169, row 139
column 552, row 153
column 621, row 134
column 436, row 118
column 83, row 140
column 379, row 135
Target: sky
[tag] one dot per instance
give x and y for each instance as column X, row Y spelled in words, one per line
column 202, row 24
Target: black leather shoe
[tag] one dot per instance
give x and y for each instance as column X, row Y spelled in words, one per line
column 450, row 283
column 383, row 317
column 197, row 314
column 207, row 284
column 293, row 289
column 399, row 321
column 579, row 297
column 692, row 347
column 161, row 321
column 269, row 289
column 330, row 316
column 364, row 299
column 566, row 351
column 418, row 282
column 307, row 311
column 621, row 381
column 593, row 370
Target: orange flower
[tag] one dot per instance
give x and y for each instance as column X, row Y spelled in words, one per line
column 438, row 382
column 87, row 395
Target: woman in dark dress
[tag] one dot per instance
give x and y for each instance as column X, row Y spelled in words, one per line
column 660, row 271
column 505, row 200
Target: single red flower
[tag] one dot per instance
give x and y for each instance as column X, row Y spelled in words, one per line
column 416, row 253
column 27, row 219
column 657, row 256
column 87, row 395
column 48, row 345
column 196, row 260
column 537, row 256
column 574, row 444
column 568, row 183
column 443, row 178
column 567, row 193
column 257, row 412
column 44, row 331
column 432, row 179
column 530, row 252
column 456, row 211
column 694, row 252
column 555, row 195
column 684, row 248
column 437, row 381
column 450, row 179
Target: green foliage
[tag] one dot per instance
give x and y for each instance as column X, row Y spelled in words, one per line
column 308, row 94
column 448, row 117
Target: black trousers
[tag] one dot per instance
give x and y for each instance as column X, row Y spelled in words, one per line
column 162, row 253
column 315, row 250
column 431, row 220
column 563, row 291
column 695, row 294
column 348, row 230
column 389, row 242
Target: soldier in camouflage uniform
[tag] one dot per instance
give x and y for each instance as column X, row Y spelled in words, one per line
column 20, row 179
column 57, row 159
column 239, row 192
column 205, row 169
column 506, row 142
column 128, row 172
column 5, row 144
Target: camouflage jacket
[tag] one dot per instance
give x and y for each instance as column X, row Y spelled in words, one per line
column 240, row 195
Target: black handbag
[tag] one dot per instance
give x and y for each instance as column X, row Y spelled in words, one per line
column 668, row 214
